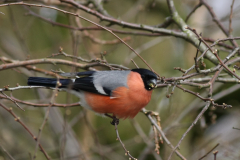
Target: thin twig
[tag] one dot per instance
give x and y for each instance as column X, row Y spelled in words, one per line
column 230, row 20
column 209, row 151
column 54, row 95
column 194, row 9
column 12, row 101
column 236, row 128
column 194, row 123
column 118, row 138
column 196, row 57
column 134, row 63
column 17, row 119
column 20, row 87
column 217, row 21
column 8, row 154
column 162, row 133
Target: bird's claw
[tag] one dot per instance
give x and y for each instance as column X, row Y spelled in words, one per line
column 115, row 121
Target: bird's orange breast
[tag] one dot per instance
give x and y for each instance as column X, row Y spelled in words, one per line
column 125, row 102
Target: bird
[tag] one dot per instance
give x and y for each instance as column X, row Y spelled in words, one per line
column 118, row 94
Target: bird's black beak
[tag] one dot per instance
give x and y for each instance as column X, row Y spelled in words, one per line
column 152, row 83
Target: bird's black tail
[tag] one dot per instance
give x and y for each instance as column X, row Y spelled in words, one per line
column 48, row 82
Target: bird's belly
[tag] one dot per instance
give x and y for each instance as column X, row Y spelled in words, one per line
column 125, row 103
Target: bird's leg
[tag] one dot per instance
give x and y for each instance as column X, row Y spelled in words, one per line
column 115, row 120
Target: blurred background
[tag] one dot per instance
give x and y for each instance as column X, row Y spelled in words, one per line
column 75, row 133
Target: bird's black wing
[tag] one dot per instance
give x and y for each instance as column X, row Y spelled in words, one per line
column 86, row 84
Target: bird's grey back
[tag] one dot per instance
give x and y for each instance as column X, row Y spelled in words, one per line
column 110, row 80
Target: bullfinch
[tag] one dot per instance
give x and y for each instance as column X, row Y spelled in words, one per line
column 120, row 93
